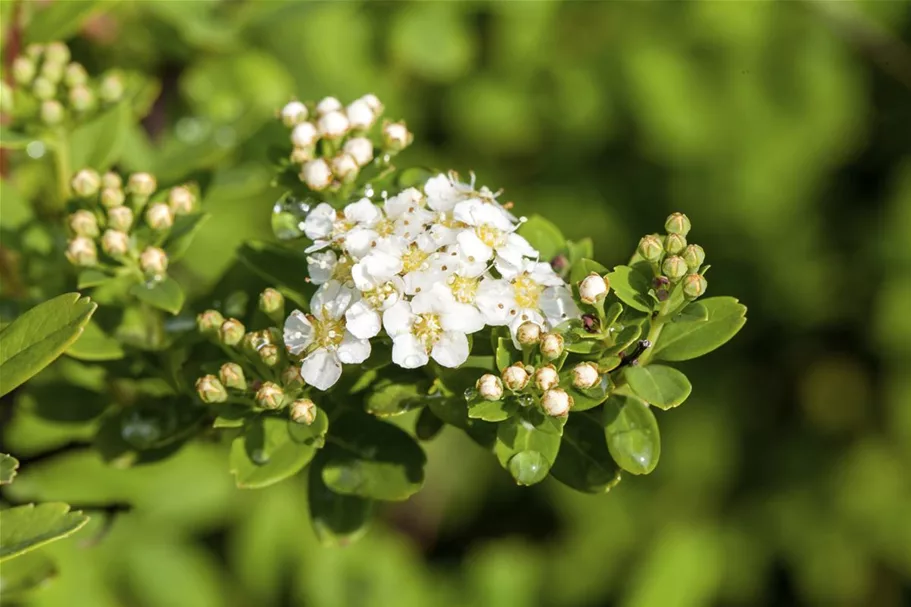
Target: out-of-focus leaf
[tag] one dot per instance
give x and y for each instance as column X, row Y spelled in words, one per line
column 25, row 528
column 583, row 268
column 21, row 575
column 94, row 344
column 632, row 433
column 277, row 265
column 686, row 340
column 631, row 287
column 428, row 425
column 59, row 20
column 584, row 462
column 659, row 385
column 272, row 449
column 163, row 294
column 8, row 467
column 182, row 234
column 388, row 398
column 91, row 278
column 337, row 519
column 527, row 445
column 543, row 235
column 99, row 142
column 13, row 140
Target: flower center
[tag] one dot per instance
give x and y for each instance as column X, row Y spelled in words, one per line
column 340, row 227
column 327, row 333
column 413, row 259
column 379, row 296
column 427, row 329
column 385, row 228
column 342, row 270
column 527, row 291
column 448, row 221
column 463, row 288
column 490, row 236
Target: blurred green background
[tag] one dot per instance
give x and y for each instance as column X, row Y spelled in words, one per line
column 782, row 129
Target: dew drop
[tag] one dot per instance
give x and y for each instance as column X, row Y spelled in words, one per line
column 259, row 457
column 470, row 394
column 288, row 215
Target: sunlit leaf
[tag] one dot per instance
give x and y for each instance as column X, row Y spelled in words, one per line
column 25, row 528
column 686, row 340
column 658, row 385
column 632, row 433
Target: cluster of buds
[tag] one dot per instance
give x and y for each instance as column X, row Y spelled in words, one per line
column 332, row 142
column 55, row 89
column 676, row 261
column 126, row 221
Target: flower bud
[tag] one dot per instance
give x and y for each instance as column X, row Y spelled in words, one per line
column 154, row 262
column 23, row 70
column 159, row 217
column 84, row 223
column 86, row 183
column 360, row 116
column 528, row 333
column 677, row 223
column 294, row 113
column 81, row 251
column 209, row 322
column 515, row 377
column 52, row 112
column 586, row 375
column 141, row 184
column 593, row 288
column 111, row 88
column 396, row 136
column 360, row 148
column 552, row 345
column 694, row 285
column 651, row 248
column 345, row 167
column 303, row 411
column 674, row 268
column 43, row 88
column 546, row 377
column 291, row 378
column 270, row 396
column 333, row 125
column 232, row 376
column 53, row 71
column 674, row 244
column 210, row 390
column 181, row 200
column 34, row 51
column 272, row 303
column 373, row 103
column 56, row 52
column 304, row 135
column 328, row 104
column 75, row 75
column 111, row 180
column 694, row 257
column 270, row 355
column 112, row 197
column 490, row 387
column 316, row 174
column 231, row 332
column 81, row 98
column 7, row 98
column 301, row 155
column 115, row 243
column 556, row 402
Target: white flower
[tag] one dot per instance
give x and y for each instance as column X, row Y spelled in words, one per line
column 328, row 104
column 304, row 135
column 294, row 113
column 538, row 294
column 430, row 327
column 360, row 148
column 360, row 115
column 316, row 174
column 326, row 265
column 333, row 124
column 364, row 320
column 323, row 338
column 492, row 232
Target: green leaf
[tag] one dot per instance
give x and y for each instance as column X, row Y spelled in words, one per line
column 659, row 385
column 624, row 339
column 59, row 20
column 27, row 527
column 632, row 433
column 91, row 278
column 182, row 234
column 506, row 354
column 272, row 449
column 583, row 268
column 454, row 411
column 163, row 294
column 35, row 339
column 9, row 465
column 492, row 411
column 13, row 140
column 631, row 287
column 544, row 236
column 389, row 398
column 577, row 251
column 527, row 445
column 583, row 400
column 373, row 459
column 428, row 425
column 24, row 574
column 686, row 340
column 277, row 265
column 337, row 519
column 693, row 311
column 95, row 345
column 584, row 463
column 98, row 143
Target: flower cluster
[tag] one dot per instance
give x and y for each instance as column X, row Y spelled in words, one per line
column 107, row 216
column 54, row 89
column 332, row 143
column 428, row 266
column 675, row 260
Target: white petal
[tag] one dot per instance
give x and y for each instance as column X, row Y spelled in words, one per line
column 451, row 350
column 408, row 352
column 362, row 320
column 441, row 196
column 543, row 273
column 558, row 304
column 298, row 333
column 318, row 224
column 472, row 247
column 353, row 350
column 462, row 317
column 363, row 212
column 321, row 369
column 398, row 319
column 331, row 300
column 518, row 248
column 400, row 204
column 358, row 241
column 495, row 299
column 320, row 266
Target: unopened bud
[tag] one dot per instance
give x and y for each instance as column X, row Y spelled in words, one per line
column 231, row 332
column 373, row 103
column 674, row 244
column 270, row 396
column 43, row 88
column 396, row 136
column 333, row 125
column 81, row 251
column 272, row 303
column 360, row 116
column 316, row 174
column 141, row 184
column 232, row 376
column 270, row 355
column 294, row 113
column 301, row 155
column 552, row 345
column 120, row 218
column 81, row 98
column 303, row 411
column 328, row 104
column 7, row 98
column 111, row 180
column 528, row 333
column 209, row 322
column 52, row 112
column 490, row 387
column 23, row 70
column 210, row 390
column 181, row 200
column 674, row 267
column 586, row 375
column 115, row 243
column 159, row 217
column 677, row 223
column 546, row 377
column 651, row 248
column 291, row 378
column 360, row 148
column 86, row 183
column 345, row 167
column 694, row 256
column 694, row 285
column 53, row 71
column 112, row 197
column 154, row 262
column 57, row 52
column 111, row 88
column 515, row 377
column 34, row 51
column 84, row 223
column 556, row 402
column 304, row 135
column 593, row 288
column 75, row 75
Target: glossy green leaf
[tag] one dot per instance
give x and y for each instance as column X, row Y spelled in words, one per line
column 583, row 268
column 506, row 354
column 163, row 294
column 428, row 425
column 182, row 234
column 270, row 450
column 24, row 574
column 584, row 462
column 13, row 140
column 388, row 398
column 584, row 400
column 686, row 340
column 91, row 278
column 632, row 433
column 59, row 20
column 543, row 235
column 99, row 143
column 9, row 465
column 527, row 445
column 631, row 287
column 693, row 311
column 95, row 345
column 337, row 519
column 35, row 339
column 454, row 411
column 624, row 339
column 492, row 411
column 659, row 385
column 373, row 459
column 25, row 528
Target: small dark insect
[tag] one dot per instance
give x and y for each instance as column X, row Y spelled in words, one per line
column 590, row 323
